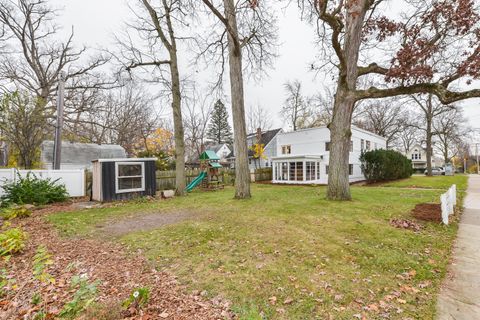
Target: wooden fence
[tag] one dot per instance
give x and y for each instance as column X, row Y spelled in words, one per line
column 166, row 179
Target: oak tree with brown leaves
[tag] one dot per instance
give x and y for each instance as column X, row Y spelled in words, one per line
column 432, row 47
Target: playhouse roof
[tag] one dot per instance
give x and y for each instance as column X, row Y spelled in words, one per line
column 215, row 165
column 209, row 155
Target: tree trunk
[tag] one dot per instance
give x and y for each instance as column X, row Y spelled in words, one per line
column 429, row 146
column 429, row 120
column 242, row 173
column 180, row 180
column 340, row 136
column 340, row 127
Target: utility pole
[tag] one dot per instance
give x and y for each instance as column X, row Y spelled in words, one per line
column 57, row 147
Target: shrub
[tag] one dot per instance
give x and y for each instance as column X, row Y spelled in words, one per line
column 138, row 298
column 82, row 299
column 381, row 165
column 12, row 241
column 15, row 212
column 33, row 190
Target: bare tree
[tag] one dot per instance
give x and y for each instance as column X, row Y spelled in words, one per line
column 407, row 137
column 197, row 110
column 258, row 118
column 296, row 110
column 23, row 122
column 431, row 109
column 158, row 26
column 386, row 118
column 35, row 57
column 250, row 33
column 449, row 133
column 419, row 54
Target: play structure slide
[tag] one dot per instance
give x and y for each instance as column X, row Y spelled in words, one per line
column 196, row 181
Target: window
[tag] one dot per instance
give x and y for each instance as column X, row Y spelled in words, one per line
column 350, row 169
column 318, row 171
column 310, row 170
column 326, row 169
column 327, row 146
column 129, row 177
column 351, row 145
column 362, row 145
column 296, row 171
column 286, row 149
column 368, row 145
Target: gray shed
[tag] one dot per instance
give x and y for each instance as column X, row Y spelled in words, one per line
column 79, row 155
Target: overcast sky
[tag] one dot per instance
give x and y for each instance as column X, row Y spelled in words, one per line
column 95, row 22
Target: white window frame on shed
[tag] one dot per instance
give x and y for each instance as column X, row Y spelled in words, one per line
column 117, row 177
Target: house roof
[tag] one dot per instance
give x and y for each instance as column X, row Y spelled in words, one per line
column 209, row 155
column 81, row 153
column 266, row 138
column 215, row 147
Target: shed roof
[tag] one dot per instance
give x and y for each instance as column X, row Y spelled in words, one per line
column 209, row 155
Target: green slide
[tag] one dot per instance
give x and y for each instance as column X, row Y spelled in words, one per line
column 196, row 181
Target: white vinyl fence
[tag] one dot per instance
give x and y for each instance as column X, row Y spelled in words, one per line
column 449, row 201
column 74, row 180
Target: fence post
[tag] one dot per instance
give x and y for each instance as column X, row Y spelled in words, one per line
column 445, row 209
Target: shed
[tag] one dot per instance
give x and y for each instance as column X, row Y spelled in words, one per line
column 122, row 179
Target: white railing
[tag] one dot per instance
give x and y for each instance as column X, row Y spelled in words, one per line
column 74, row 180
column 448, row 201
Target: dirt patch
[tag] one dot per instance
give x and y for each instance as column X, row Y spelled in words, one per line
column 428, row 212
column 146, row 222
column 119, row 273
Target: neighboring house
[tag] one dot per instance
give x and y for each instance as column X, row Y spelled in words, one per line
column 418, row 155
column 222, row 150
column 79, row 155
column 269, row 140
column 303, row 155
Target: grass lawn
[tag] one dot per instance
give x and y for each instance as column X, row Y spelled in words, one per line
column 290, row 254
column 435, row 182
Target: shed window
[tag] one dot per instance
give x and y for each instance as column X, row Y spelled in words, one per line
column 129, row 176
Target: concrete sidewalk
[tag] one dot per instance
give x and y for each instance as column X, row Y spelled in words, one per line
column 460, row 295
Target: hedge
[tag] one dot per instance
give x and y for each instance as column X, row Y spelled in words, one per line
column 381, row 165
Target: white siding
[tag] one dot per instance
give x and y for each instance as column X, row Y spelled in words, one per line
column 312, row 142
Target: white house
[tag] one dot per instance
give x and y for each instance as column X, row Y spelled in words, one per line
column 221, row 149
column 303, row 155
column 418, row 155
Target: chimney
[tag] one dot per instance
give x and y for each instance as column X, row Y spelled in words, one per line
column 259, row 135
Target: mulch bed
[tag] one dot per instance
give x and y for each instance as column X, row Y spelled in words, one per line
column 428, row 212
column 118, row 271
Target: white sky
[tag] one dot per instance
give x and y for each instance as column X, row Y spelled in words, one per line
column 95, row 21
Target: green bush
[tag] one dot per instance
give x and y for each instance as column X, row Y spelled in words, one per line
column 12, row 241
column 33, row 190
column 381, row 165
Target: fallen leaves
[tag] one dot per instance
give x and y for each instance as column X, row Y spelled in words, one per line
column 107, row 262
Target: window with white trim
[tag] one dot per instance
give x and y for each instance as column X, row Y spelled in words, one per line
column 286, row 149
column 129, row 177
